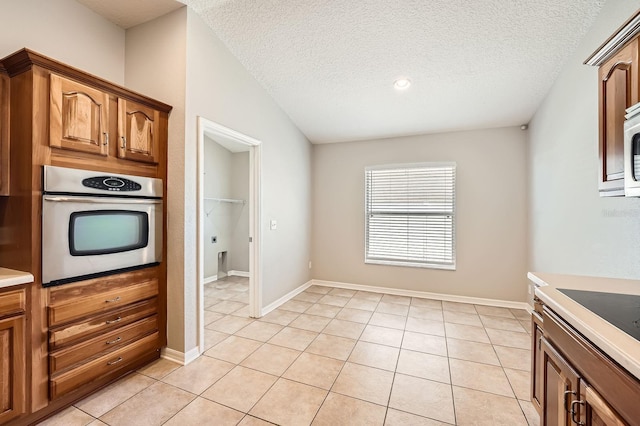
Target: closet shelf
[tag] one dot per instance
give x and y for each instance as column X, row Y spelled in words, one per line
column 225, row 200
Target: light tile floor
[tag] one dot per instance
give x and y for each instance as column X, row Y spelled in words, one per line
column 333, row 357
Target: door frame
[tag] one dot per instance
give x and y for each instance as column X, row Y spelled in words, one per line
column 208, row 127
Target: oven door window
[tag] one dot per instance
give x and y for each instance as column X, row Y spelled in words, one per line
column 107, row 231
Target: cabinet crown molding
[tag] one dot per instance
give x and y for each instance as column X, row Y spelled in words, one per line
column 627, row 32
column 24, row 59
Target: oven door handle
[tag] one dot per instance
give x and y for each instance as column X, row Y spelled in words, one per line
column 100, row 200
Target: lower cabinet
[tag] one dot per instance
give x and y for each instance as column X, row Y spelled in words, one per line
column 561, row 385
column 576, row 383
column 99, row 328
column 12, row 355
column 537, row 367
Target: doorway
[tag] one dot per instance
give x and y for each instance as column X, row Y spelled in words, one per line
column 228, row 216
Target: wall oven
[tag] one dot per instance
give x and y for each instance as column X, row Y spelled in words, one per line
column 96, row 224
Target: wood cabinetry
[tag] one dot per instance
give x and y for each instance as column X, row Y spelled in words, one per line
column 79, row 337
column 580, row 384
column 80, row 120
column 537, row 366
column 138, row 127
column 619, row 89
column 79, row 117
column 12, row 354
column 4, row 132
column 101, row 326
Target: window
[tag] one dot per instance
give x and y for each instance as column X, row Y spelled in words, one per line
column 410, row 215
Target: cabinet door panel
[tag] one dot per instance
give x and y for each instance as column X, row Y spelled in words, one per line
column 79, row 117
column 618, row 91
column 12, row 368
column 537, row 366
column 137, row 132
column 561, row 386
column 597, row 411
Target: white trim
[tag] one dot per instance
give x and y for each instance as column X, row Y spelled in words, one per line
column 424, row 294
column 212, row 129
column 233, row 273
column 180, row 357
column 601, row 55
column 293, row 293
column 210, row 279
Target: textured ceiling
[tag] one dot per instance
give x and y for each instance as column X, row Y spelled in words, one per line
column 129, row 13
column 330, row 64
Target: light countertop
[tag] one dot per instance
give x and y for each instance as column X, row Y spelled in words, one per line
column 9, row 277
column 619, row 345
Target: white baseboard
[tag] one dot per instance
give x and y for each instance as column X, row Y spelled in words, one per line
column 210, row 279
column 293, row 293
column 238, row 274
column 425, row 294
column 180, row 357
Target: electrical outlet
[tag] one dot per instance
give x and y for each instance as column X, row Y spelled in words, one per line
column 214, row 240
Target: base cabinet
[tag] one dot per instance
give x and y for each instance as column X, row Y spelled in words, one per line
column 577, row 384
column 12, row 355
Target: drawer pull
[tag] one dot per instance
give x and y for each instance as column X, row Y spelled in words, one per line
column 115, row 361
column 115, row 299
column 111, row 342
column 114, row 321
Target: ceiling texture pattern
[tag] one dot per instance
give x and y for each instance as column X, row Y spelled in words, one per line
column 331, row 64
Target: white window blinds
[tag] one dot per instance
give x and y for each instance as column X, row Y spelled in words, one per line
column 410, row 215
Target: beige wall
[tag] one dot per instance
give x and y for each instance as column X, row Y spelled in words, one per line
column 220, row 89
column 66, row 31
column 156, row 54
column 240, row 223
column 177, row 59
column 490, row 212
column 572, row 229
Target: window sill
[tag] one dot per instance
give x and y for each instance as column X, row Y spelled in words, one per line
column 411, row 264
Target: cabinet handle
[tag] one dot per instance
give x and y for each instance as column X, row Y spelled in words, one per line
column 115, row 299
column 111, row 342
column 115, row 320
column 574, row 412
column 567, row 392
column 115, row 362
column 124, row 142
column 106, row 139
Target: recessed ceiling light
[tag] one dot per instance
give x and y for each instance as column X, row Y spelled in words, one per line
column 402, row 83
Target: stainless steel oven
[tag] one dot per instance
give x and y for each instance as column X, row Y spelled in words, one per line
column 96, row 223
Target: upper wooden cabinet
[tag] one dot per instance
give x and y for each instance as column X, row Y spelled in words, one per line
column 79, row 117
column 4, row 133
column 618, row 91
column 138, row 127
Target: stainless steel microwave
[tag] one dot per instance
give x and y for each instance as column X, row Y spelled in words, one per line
column 632, row 152
column 96, row 224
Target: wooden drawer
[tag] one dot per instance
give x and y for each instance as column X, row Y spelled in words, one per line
column 107, row 322
column 12, row 302
column 68, row 381
column 66, row 358
column 101, row 301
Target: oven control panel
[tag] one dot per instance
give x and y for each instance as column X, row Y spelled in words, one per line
column 111, row 183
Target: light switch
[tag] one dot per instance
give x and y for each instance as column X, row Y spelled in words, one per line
column 273, row 224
